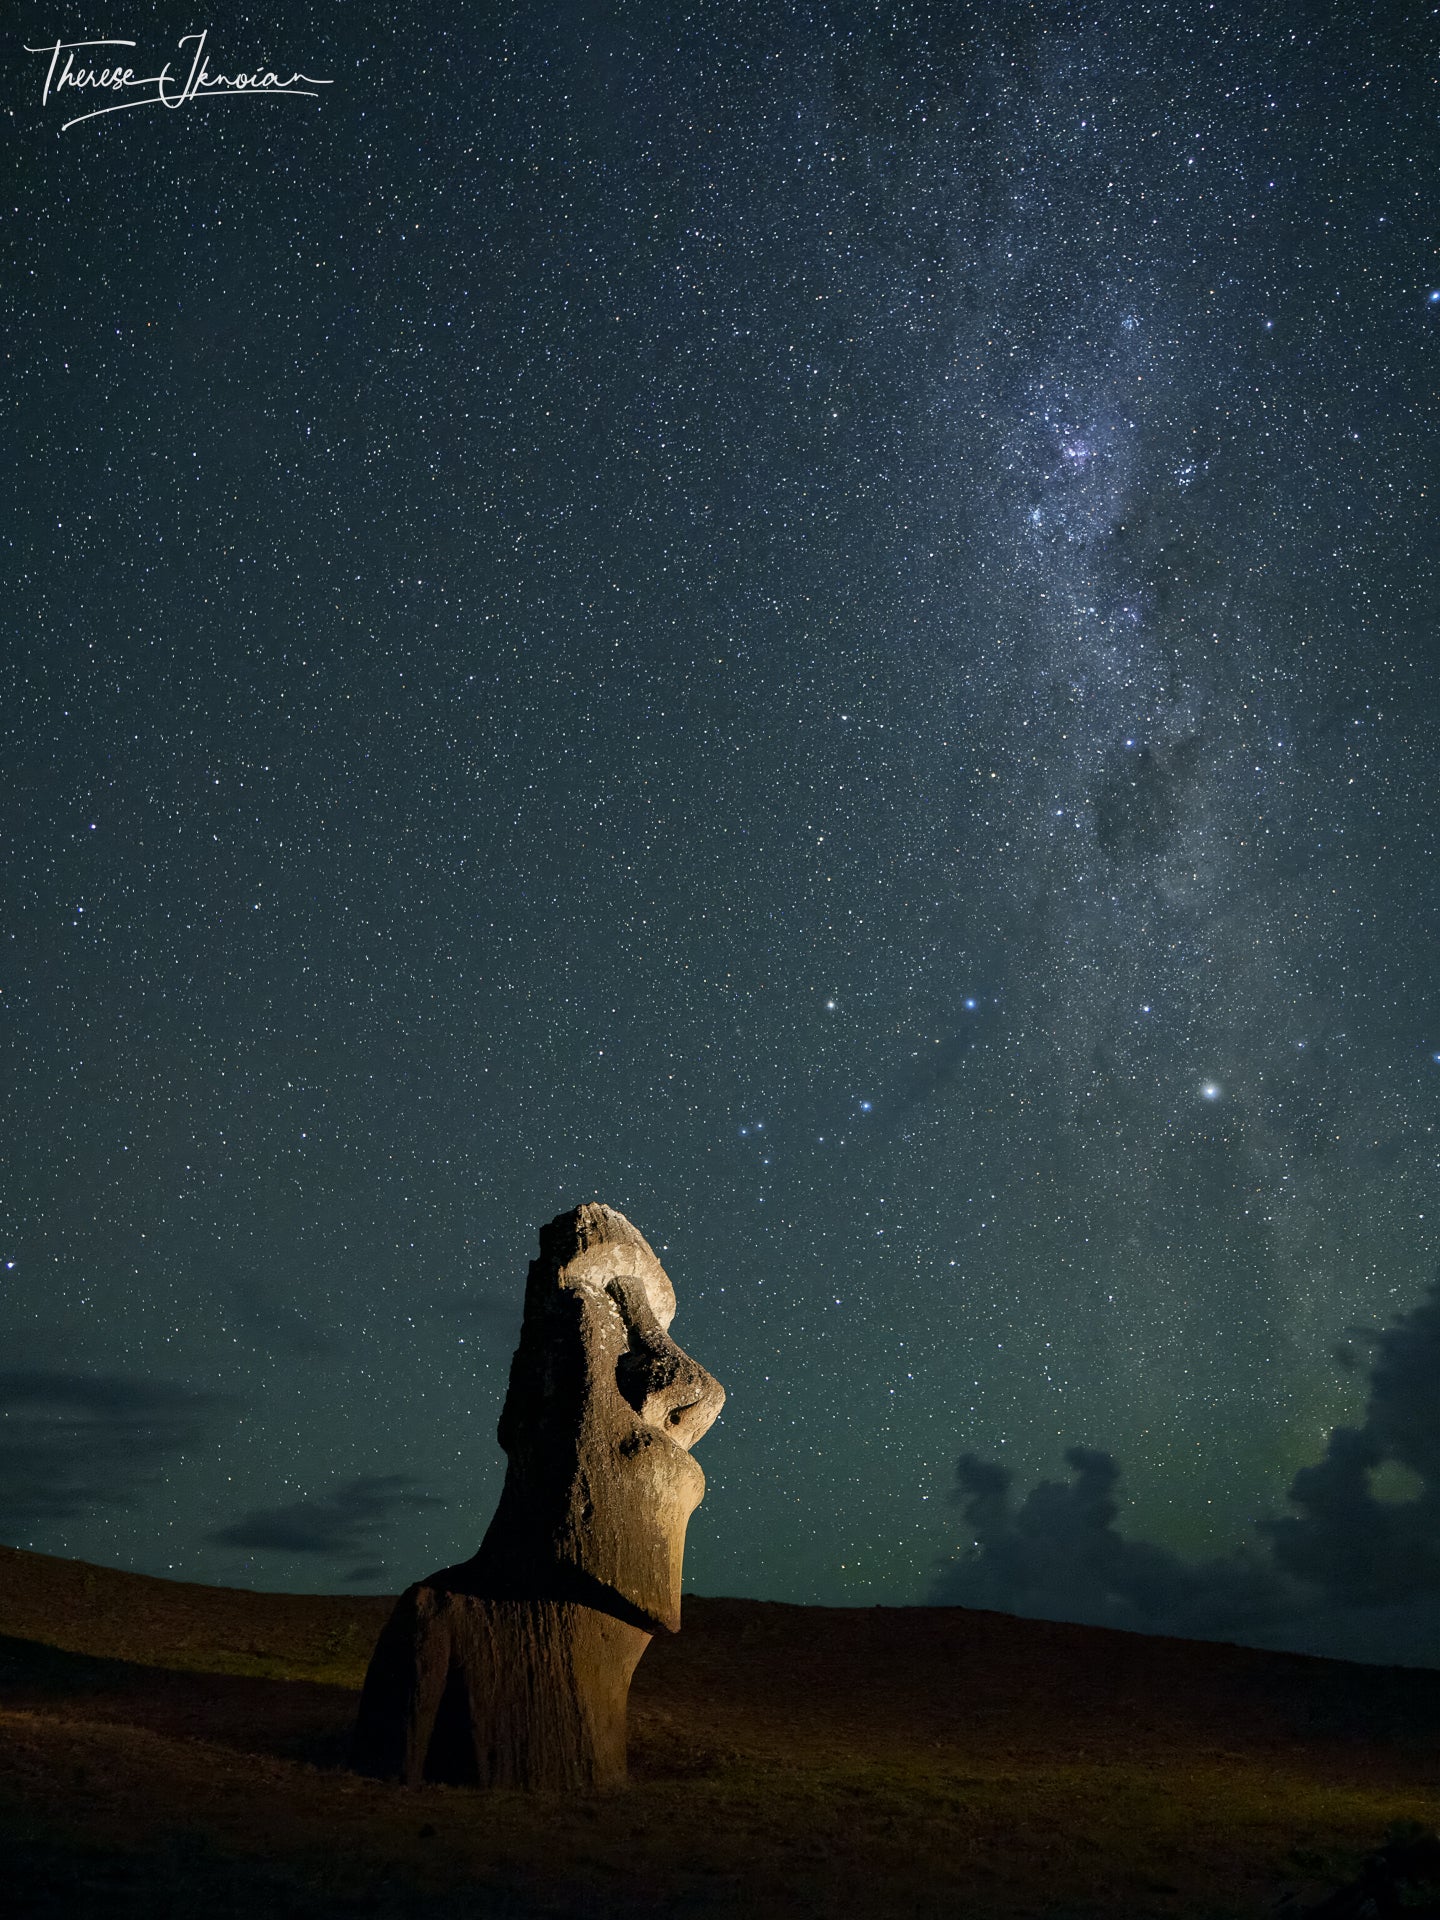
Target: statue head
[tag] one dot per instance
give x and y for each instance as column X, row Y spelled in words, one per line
column 602, row 1411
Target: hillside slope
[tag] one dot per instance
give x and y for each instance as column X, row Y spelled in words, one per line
column 173, row 1750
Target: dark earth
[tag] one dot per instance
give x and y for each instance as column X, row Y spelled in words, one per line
column 174, row 1750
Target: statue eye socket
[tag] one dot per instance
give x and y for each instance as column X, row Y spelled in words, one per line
column 637, row 1374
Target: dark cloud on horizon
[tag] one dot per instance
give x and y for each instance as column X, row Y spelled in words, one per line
column 1360, row 1547
column 74, row 1442
column 344, row 1524
column 1355, row 1569
column 1059, row 1556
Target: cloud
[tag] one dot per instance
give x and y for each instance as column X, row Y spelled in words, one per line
column 342, row 1525
column 1353, row 1570
column 74, row 1442
column 1355, row 1536
column 1059, row 1556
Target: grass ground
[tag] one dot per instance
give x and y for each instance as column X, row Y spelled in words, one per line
column 170, row 1750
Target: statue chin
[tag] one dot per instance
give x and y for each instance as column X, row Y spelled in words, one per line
column 639, row 1555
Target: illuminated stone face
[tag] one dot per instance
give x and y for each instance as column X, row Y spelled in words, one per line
column 513, row 1668
column 602, row 1410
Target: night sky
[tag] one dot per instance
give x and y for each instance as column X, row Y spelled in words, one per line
column 814, row 621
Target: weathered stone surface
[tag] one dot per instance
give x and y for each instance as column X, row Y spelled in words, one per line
column 601, row 1414
column 497, row 1693
column 513, row 1668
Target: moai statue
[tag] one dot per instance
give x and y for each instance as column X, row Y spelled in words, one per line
column 513, row 1669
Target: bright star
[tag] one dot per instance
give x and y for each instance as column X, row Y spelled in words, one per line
column 1210, row 1091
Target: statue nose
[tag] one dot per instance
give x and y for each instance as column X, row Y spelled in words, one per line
column 664, row 1385
column 682, row 1399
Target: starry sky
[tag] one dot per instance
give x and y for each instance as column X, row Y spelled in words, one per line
column 816, row 621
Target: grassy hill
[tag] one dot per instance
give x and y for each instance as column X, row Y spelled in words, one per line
column 178, row 1750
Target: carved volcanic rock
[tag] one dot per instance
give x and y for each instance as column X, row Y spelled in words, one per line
column 513, row 1668
column 601, row 1414
column 477, row 1692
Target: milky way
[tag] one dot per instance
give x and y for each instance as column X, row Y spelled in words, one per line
column 815, row 624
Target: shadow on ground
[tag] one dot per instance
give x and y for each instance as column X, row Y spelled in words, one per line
column 289, row 1719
